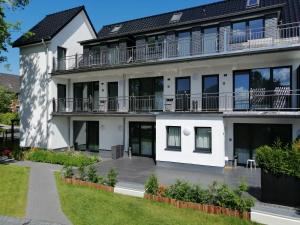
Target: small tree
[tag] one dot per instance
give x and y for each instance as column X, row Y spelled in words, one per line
column 151, row 186
column 112, row 177
column 6, row 97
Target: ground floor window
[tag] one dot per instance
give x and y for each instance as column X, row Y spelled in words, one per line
column 174, row 137
column 248, row 137
column 203, row 139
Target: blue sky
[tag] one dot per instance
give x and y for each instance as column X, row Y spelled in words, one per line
column 101, row 12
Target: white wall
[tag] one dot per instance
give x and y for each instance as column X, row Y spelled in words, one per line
column 186, row 155
column 36, row 93
column 229, row 137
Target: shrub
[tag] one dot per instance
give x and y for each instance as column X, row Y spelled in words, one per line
column 5, row 118
column 62, row 158
column 101, row 180
column 151, row 186
column 67, row 172
column 82, row 173
column 279, row 159
column 217, row 194
column 92, row 174
column 112, row 177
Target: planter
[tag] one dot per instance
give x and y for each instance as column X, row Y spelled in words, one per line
column 88, row 184
column 283, row 190
column 201, row 207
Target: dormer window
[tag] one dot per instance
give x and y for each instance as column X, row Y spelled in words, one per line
column 252, row 3
column 176, row 17
column 115, row 29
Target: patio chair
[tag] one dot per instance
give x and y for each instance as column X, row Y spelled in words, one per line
column 281, row 97
column 258, row 98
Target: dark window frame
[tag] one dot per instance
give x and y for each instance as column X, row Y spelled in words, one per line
column 247, row 35
column 203, row 150
column 170, row 147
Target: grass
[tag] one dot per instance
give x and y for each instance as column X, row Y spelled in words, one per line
column 84, row 205
column 13, row 190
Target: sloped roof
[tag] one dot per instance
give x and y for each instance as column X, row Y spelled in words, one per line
column 49, row 26
column 290, row 13
column 11, row 82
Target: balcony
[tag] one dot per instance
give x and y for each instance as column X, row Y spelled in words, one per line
column 225, row 42
column 281, row 99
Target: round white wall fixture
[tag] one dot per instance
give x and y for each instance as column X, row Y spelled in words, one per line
column 186, row 131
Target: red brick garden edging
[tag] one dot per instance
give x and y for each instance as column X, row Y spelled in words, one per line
column 88, row 184
column 211, row 209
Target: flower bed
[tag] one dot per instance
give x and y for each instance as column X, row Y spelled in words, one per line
column 88, row 184
column 211, row 209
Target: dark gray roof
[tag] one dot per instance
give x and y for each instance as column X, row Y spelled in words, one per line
column 11, row 82
column 48, row 27
column 290, row 13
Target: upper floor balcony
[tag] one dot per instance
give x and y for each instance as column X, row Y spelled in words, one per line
column 213, row 43
column 280, row 99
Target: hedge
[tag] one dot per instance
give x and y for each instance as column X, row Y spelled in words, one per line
column 279, row 159
column 5, row 118
column 62, row 158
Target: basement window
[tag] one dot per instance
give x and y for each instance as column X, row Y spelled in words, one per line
column 116, row 28
column 252, row 3
column 176, row 17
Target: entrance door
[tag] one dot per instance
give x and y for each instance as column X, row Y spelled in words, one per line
column 183, row 91
column 142, row 138
column 92, row 135
column 61, row 97
column 112, row 89
column 210, row 92
column 248, row 137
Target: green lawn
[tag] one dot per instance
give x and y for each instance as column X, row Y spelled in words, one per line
column 13, row 190
column 84, row 206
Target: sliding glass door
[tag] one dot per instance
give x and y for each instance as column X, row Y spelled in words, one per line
column 86, row 135
column 112, row 92
column 248, row 137
column 264, row 88
column 61, row 97
column 183, row 92
column 86, row 96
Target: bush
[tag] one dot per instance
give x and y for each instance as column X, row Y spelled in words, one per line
column 82, row 173
column 67, row 172
column 62, row 158
column 5, row 118
column 112, row 178
column 279, row 159
column 92, row 174
column 151, row 186
column 217, row 194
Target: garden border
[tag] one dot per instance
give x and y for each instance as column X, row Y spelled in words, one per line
column 88, row 184
column 210, row 209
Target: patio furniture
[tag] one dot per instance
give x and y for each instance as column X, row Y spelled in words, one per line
column 251, row 163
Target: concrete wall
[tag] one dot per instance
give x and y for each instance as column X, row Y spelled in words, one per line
column 187, row 154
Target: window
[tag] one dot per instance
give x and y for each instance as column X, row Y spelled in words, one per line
column 174, row 138
column 252, row 3
column 116, row 28
column 203, row 139
column 256, row 29
column 176, row 17
column 239, row 32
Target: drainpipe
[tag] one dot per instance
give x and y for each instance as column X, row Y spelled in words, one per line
column 47, row 90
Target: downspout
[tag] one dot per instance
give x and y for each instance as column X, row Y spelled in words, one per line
column 47, row 91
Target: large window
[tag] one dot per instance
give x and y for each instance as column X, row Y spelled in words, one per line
column 173, row 138
column 247, row 30
column 203, row 139
column 210, row 90
column 263, row 88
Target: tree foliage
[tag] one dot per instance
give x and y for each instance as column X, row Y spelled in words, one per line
column 6, row 27
column 6, row 98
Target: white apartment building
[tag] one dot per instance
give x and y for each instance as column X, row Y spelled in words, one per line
column 195, row 86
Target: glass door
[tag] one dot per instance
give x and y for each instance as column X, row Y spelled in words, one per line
column 241, row 90
column 78, row 97
column 112, row 89
column 142, row 138
column 210, row 92
column 184, row 43
column 210, row 40
column 61, row 97
column 183, row 91
column 92, row 135
column 61, row 58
